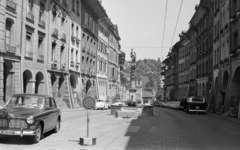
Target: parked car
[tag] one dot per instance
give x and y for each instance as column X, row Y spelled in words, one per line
column 30, row 115
column 119, row 103
column 196, row 104
column 101, row 104
column 183, row 104
column 156, row 104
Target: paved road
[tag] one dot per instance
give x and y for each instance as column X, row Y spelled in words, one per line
column 167, row 129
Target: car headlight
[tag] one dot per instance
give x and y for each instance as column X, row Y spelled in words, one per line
column 30, row 120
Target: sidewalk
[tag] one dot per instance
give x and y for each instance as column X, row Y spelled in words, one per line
column 76, row 109
column 236, row 120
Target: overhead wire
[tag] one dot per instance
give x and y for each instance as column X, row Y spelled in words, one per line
column 164, row 25
column 176, row 22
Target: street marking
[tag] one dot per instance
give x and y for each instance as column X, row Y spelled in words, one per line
column 133, row 129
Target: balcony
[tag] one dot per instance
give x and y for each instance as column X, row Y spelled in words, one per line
column 42, row 23
column 30, row 17
column 10, row 49
column 54, row 65
column 72, row 63
column 226, row 26
column 29, row 54
column 63, row 67
column 64, row 37
column 73, row 37
column 221, row 62
column 221, row 31
column 215, row 66
column 78, row 64
column 40, row 57
column 226, row 60
column 233, row 19
column 238, row 13
column 55, row 33
column 11, row 4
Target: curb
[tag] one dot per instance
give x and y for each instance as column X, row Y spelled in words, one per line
column 235, row 120
column 70, row 110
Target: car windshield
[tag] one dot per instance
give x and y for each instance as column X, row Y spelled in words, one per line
column 197, row 99
column 26, row 101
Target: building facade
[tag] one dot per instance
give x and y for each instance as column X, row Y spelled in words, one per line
column 202, row 21
column 184, row 65
column 231, row 103
column 57, row 54
column 10, row 49
column 91, row 12
column 113, row 63
column 74, row 53
column 102, row 57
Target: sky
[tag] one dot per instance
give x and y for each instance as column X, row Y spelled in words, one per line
column 141, row 24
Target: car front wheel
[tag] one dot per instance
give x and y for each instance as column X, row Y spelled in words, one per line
column 36, row 138
column 57, row 127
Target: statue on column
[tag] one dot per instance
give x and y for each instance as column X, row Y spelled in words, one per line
column 133, row 63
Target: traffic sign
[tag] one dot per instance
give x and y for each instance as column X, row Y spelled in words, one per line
column 89, row 102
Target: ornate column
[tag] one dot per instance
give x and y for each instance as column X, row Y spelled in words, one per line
column 132, row 90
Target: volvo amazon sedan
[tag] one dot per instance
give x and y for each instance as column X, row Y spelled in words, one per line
column 30, row 115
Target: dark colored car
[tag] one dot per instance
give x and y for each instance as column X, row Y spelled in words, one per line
column 183, row 104
column 156, row 104
column 30, row 115
column 196, row 104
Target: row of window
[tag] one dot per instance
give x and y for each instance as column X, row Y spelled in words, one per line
column 54, row 53
column 113, row 72
column 103, row 84
column 184, row 65
column 103, row 31
column 113, row 42
column 102, row 66
column 202, row 68
column 76, row 56
column 113, row 56
column 88, row 22
column 184, row 78
column 204, row 24
column 75, row 6
column 216, row 56
column 185, row 51
column 75, row 30
column 102, row 47
column 201, row 88
column 41, row 9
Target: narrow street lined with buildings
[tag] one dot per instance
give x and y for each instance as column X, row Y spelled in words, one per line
column 167, row 129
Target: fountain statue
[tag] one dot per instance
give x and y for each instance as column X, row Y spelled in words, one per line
column 132, row 90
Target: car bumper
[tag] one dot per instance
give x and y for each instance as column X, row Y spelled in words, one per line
column 193, row 110
column 17, row 133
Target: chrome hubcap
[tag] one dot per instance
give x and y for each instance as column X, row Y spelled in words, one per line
column 38, row 133
column 57, row 126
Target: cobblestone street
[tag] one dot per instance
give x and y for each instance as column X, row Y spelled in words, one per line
column 167, row 129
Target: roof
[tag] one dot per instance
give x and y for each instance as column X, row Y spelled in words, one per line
column 201, row 10
column 97, row 7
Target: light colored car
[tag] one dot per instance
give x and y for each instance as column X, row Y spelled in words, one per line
column 101, row 104
column 119, row 103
